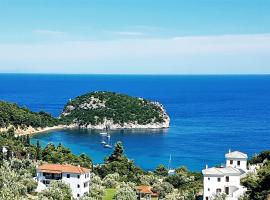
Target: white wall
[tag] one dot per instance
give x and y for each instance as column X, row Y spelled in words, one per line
column 74, row 181
column 213, row 184
column 243, row 163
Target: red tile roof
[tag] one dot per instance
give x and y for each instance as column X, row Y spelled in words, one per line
column 57, row 169
column 144, row 189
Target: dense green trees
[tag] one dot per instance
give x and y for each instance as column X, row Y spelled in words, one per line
column 94, row 107
column 161, row 170
column 258, row 185
column 62, row 155
column 12, row 114
column 264, row 155
column 117, row 162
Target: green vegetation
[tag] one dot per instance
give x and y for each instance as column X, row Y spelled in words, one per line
column 258, row 184
column 94, row 107
column 264, row 155
column 51, row 154
column 119, row 163
column 109, row 194
column 12, row 114
column 57, row 191
column 115, row 179
column 63, row 155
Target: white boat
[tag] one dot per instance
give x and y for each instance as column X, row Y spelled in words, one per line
column 107, row 146
column 103, row 134
column 103, row 142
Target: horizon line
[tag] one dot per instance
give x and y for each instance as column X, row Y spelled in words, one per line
column 138, row 74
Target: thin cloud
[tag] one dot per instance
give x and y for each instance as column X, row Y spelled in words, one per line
column 190, row 53
column 49, row 32
column 129, row 33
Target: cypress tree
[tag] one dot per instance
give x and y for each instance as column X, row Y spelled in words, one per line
column 9, row 154
column 38, row 151
column 27, row 140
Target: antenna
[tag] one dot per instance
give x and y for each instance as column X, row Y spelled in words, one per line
column 170, row 160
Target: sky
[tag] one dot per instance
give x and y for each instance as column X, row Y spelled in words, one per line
column 135, row 36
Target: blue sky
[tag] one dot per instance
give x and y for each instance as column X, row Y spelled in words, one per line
column 135, row 36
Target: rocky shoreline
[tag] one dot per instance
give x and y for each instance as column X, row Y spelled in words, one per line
column 31, row 130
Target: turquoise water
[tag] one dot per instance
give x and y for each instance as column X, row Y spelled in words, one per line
column 209, row 114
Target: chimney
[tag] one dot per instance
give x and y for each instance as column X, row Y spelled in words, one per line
column 229, row 150
column 206, row 166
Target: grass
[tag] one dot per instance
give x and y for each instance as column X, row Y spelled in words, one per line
column 109, row 194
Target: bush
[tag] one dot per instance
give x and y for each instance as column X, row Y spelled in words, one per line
column 111, row 180
column 57, row 190
column 125, row 192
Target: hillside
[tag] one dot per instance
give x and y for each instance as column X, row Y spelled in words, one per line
column 13, row 115
column 101, row 110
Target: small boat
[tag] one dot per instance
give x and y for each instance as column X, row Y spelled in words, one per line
column 107, row 146
column 103, row 134
column 103, row 142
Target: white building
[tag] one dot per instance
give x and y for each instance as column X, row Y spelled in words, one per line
column 76, row 177
column 226, row 180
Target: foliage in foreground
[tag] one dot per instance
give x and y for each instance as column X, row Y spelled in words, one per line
column 258, row 185
column 56, row 191
column 15, row 180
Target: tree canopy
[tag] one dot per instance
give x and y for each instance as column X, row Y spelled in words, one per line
column 94, row 107
column 12, row 114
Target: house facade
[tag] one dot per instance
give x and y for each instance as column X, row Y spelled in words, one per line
column 78, row 178
column 226, row 180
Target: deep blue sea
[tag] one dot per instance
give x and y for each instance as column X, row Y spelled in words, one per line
column 209, row 114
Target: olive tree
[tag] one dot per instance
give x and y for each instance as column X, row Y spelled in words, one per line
column 125, row 192
column 57, row 190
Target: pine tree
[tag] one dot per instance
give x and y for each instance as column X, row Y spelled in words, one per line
column 118, row 153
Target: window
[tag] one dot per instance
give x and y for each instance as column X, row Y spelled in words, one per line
column 227, row 178
column 218, row 179
column 68, row 175
column 78, row 195
column 85, row 184
column 206, row 198
column 238, row 163
column 78, row 186
column 78, row 176
column 208, row 179
column 85, row 176
column 208, row 189
column 231, row 162
column 227, row 190
column 218, row 191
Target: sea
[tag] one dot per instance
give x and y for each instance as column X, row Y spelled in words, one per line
column 210, row 115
